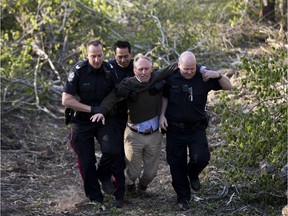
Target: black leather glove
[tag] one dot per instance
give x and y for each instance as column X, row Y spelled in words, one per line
column 157, row 87
column 95, row 109
column 133, row 96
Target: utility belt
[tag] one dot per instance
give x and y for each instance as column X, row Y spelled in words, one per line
column 187, row 126
column 82, row 116
column 146, row 132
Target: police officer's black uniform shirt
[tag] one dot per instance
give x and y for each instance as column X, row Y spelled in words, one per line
column 120, row 72
column 187, row 98
column 91, row 86
column 120, row 109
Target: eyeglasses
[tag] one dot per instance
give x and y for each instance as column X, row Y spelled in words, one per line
column 190, row 91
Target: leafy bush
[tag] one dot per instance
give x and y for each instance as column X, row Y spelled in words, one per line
column 255, row 127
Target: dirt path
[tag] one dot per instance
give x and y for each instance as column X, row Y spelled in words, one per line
column 39, row 176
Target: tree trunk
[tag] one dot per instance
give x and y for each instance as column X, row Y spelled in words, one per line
column 268, row 10
column 283, row 14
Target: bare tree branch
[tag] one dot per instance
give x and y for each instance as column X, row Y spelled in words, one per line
column 43, row 55
column 64, row 19
column 35, row 81
column 164, row 41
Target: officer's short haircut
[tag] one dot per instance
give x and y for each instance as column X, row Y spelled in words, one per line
column 139, row 56
column 122, row 44
column 94, row 43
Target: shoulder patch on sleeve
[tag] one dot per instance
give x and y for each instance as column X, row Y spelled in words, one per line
column 71, row 76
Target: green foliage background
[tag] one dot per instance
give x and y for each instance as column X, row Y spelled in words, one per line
column 41, row 40
column 255, row 128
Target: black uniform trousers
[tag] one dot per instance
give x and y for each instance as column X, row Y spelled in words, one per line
column 178, row 139
column 82, row 140
column 119, row 160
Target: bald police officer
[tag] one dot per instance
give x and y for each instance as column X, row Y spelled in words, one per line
column 183, row 116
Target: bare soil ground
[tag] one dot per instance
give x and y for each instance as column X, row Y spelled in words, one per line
column 39, row 176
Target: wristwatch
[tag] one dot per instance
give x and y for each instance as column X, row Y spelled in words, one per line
column 219, row 76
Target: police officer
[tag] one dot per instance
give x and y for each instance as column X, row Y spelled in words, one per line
column 123, row 68
column 183, row 116
column 89, row 82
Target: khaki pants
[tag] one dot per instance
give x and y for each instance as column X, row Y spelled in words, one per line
column 141, row 150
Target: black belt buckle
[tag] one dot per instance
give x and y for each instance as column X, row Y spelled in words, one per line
column 147, row 132
column 144, row 133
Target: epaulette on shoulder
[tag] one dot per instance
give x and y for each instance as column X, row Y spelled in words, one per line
column 108, row 68
column 108, row 65
column 110, row 61
column 80, row 64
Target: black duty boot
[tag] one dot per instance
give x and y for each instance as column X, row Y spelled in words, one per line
column 131, row 188
column 118, row 202
column 183, row 205
column 141, row 187
column 195, row 184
